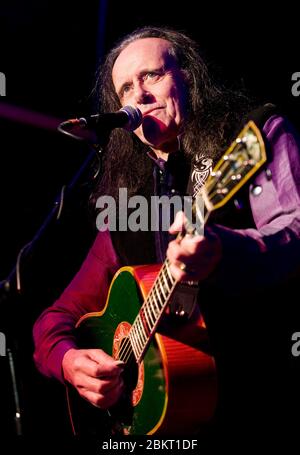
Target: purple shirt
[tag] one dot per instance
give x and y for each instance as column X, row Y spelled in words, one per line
column 273, row 246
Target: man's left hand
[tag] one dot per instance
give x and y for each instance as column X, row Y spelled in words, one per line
column 193, row 257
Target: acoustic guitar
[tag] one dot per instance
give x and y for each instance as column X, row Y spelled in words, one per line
column 170, row 373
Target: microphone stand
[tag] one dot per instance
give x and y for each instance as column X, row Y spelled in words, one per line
column 11, row 288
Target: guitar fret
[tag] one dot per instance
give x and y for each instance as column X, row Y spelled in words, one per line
column 162, row 288
column 148, row 307
column 169, row 273
column 146, row 314
column 158, row 294
column 165, row 279
column 152, row 312
column 144, row 322
column 152, row 304
column 141, row 329
column 152, row 300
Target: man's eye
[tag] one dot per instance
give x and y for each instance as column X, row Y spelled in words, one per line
column 126, row 89
column 151, row 75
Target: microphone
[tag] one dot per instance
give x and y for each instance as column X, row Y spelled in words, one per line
column 128, row 118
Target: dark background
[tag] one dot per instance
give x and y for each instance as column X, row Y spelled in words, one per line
column 49, row 52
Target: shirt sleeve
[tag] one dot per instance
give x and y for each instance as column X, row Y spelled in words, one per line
column 53, row 331
column 259, row 258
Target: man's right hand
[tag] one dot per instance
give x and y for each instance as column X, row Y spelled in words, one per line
column 95, row 375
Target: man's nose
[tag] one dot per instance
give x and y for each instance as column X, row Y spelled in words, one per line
column 142, row 95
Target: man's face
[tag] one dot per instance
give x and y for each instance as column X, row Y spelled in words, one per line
column 146, row 76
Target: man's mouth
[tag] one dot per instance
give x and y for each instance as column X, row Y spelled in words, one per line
column 152, row 110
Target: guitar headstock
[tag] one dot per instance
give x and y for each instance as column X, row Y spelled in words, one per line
column 240, row 161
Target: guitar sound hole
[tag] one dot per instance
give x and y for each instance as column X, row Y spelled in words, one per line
column 131, row 370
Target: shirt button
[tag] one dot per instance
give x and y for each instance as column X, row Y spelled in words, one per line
column 256, row 190
column 269, row 174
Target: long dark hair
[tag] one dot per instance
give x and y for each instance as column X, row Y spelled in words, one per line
column 214, row 114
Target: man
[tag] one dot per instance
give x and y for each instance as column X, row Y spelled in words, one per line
column 249, row 253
